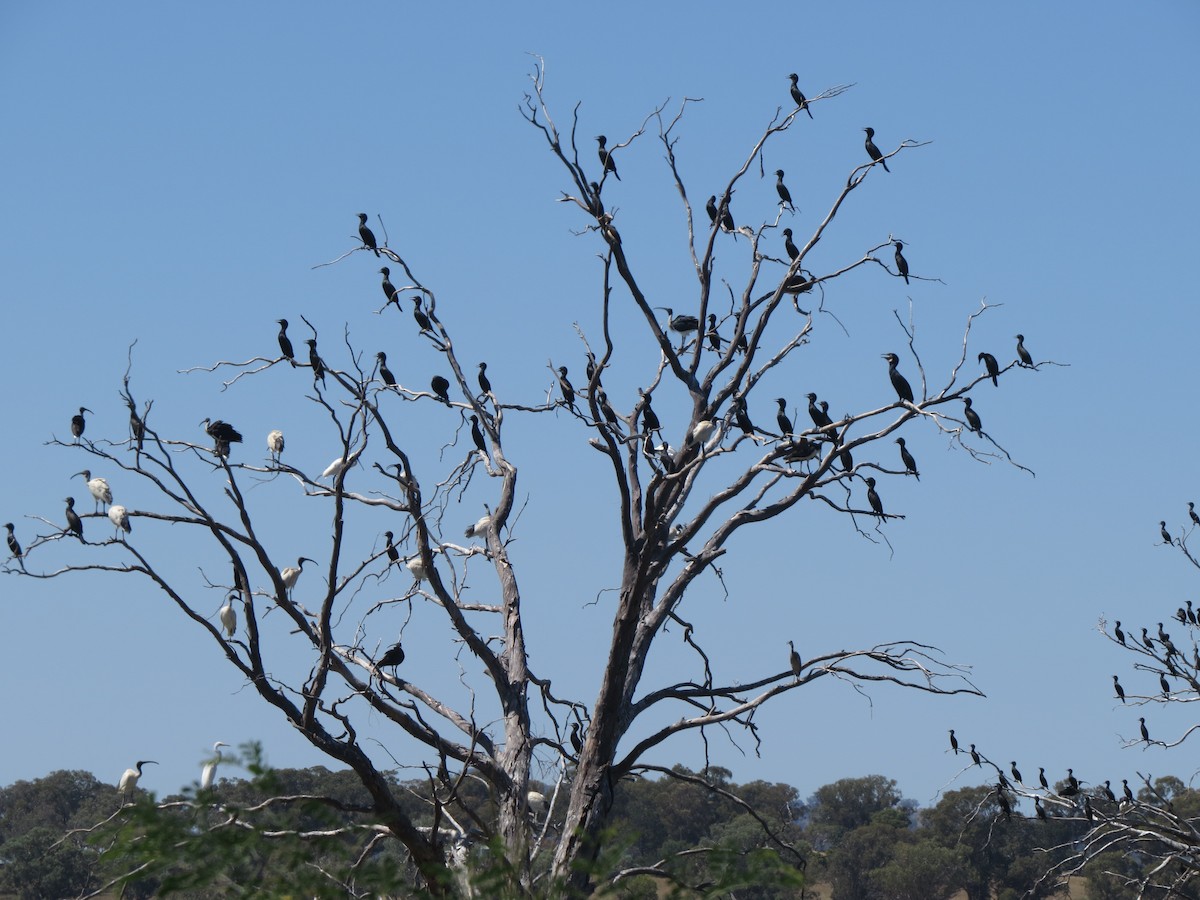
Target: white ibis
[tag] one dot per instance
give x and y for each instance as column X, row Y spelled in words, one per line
column 291, row 574
column 228, row 616
column 342, row 462
column 119, row 516
column 129, row 779
column 703, row 430
column 210, row 768
column 417, row 567
column 275, row 444
column 479, row 529
column 98, row 487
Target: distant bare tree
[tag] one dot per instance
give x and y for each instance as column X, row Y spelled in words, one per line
column 679, row 492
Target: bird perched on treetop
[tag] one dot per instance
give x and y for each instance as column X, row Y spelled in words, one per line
column 785, row 196
column 275, row 444
column 606, row 159
column 389, row 289
column 208, row 773
column 910, row 464
column 74, row 523
column 367, row 235
column 441, row 388
column 228, row 615
column 899, row 382
column 1023, row 354
column 13, row 546
column 794, row 660
column 384, row 372
column 973, row 421
column 98, row 488
column 873, row 151
column 790, row 248
column 781, row 418
column 129, row 779
column 314, row 360
column 119, row 516
column 798, row 95
column 873, row 498
column 993, row 367
column 285, row 343
column 78, row 423
column 901, row 262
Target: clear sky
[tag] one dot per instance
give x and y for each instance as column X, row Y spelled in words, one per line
column 173, row 172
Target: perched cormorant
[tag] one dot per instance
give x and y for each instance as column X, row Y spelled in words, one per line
column 1016, row 772
column 785, row 196
column 384, row 372
column 714, row 338
column 285, row 343
column 1164, row 684
column 441, row 388
column 1002, row 799
column 973, row 421
column 975, row 756
column 393, row 554
column 421, row 319
column 1145, row 731
column 485, row 384
column 819, row 418
column 993, row 368
column 576, row 740
column 1120, row 690
column 1166, row 535
column 392, row 658
column 13, row 546
column 1042, row 779
column 368, row 236
column 1108, row 794
column 726, row 215
column 873, row 151
column 649, row 418
column 564, row 385
column 953, row 742
column 1037, row 807
column 1118, row 633
column 711, row 208
column 1022, row 353
column 606, row 159
column 314, row 360
column 798, row 95
column 1087, row 809
column 389, row 289
column 477, row 435
column 78, row 424
column 596, row 204
column 899, row 382
column 794, row 660
column 791, row 249
column 1127, row 791
column 741, row 417
column 901, row 262
column 1191, row 614
column 873, row 498
column 1146, row 642
column 1192, row 513
column 910, row 464
column 1072, row 787
column 781, row 417
column 74, row 523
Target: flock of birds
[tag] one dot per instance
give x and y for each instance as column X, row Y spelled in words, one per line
column 799, row 447
column 130, row 777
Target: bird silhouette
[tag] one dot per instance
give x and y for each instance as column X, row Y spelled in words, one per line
column 993, row 368
column 899, row 382
column 606, row 159
column 366, row 234
column 901, row 262
column 873, row 151
column 910, row 464
column 798, row 95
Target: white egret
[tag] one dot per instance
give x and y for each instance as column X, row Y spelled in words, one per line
column 98, row 487
column 210, row 768
column 228, row 616
column 342, row 462
column 119, row 516
column 129, row 780
column 275, row 444
column 291, row 574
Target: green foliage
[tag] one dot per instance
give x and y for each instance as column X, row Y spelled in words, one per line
column 40, row 863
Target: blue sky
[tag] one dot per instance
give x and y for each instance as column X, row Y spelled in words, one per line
column 173, row 173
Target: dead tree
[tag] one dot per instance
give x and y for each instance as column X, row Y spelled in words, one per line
column 681, row 491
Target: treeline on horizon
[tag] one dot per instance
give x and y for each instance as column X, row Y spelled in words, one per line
column 67, row 835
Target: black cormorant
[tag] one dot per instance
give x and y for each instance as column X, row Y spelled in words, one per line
column 78, row 424
column 285, row 343
column 649, row 418
column 1037, row 807
column 873, row 498
column 785, row 196
column 794, row 660
column 1022, row 353
column 606, row 159
column 389, row 289
column 314, row 360
column 384, row 372
column 485, row 384
column 819, row 418
column 1002, row 799
column 781, row 417
column 1166, row 535
column 441, row 388
column 1072, row 787
column 1108, row 794
column 873, row 151
column 392, row 553
column 367, row 235
column 477, row 435
column 74, row 523
column 741, row 417
column 975, row 756
column 791, row 249
column 1042, row 779
column 711, row 208
column 901, row 262
column 1164, row 684
column 1192, row 513
column 1120, row 690
column 1127, row 791
column 13, row 546
column 576, row 740
column 1145, row 731
column 899, row 382
column 1016, row 772
column 421, row 319
column 1146, row 641
column 993, row 367
column 910, row 464
column 953, row 742
column 714, row 338
column 1118, row 633
column 973, row 421
column 798, row 95
column 726, row 215
column 564, row 385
